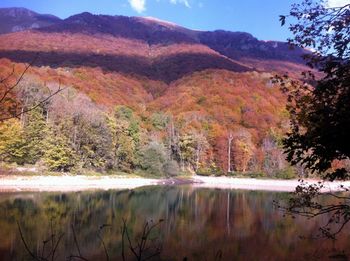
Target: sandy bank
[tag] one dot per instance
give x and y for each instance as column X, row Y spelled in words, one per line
column 79, row 183
column 70, row 183
column 260, row 184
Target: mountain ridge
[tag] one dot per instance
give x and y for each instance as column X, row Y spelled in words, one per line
column 17, row 19
column 234, row 45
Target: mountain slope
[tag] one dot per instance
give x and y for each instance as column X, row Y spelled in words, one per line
column 121, row 26
column 20, row 19
column 129, row 33
column 206, row 82
column 167, row 63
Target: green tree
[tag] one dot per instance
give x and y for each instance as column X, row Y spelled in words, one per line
column 320, row 110
column 187, row 150
column 159, row 120
column 58, row 155
column 11, row 141
column 128, row 137
column 171, row 168
column 153, row 158
column 320, row 106
column 24, row 144
column 35, row 130
column 193, row 145
column 92, row 141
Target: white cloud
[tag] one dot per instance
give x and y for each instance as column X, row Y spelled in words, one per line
column 138, row 5
column 337, row 3
column 184, row 2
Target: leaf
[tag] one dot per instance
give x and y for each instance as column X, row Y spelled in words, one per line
column 282, row 20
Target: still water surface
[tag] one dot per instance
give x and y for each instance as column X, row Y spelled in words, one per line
column 199, row 224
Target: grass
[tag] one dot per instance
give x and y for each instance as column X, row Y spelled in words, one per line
column 12, row 170
column 285, row 175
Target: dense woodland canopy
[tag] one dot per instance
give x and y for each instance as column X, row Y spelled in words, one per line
column 185, row 101
column 185, row 130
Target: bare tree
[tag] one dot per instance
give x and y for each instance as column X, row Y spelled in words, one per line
column 142, row 250
column 307, row 202
column 9, row 104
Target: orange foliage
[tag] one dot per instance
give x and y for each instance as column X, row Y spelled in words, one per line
column 205, row 90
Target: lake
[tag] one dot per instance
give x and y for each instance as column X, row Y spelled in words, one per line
column 199, row 224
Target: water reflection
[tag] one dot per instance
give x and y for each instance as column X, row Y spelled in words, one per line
column 198, row 223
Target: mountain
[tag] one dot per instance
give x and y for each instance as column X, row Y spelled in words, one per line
column 247, row 49
column 235, row 45
column 20, row 19
column 209, row 81
column 153, row 52
column 143, row 46
column 121, row 26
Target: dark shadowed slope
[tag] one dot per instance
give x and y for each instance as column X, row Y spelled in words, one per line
column 166, row 69
column 239, row 45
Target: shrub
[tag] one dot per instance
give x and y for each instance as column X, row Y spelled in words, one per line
column 287, row 173
column 171, row 168
column 204, row 172
column 211, row 171
column 153, row 158
column 256, row 175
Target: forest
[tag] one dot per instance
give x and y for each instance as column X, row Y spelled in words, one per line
column 72, row 133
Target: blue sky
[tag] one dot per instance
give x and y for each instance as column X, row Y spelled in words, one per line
column 258, row 17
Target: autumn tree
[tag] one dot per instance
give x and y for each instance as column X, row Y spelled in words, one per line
column 274, row 158
column 243, row 149
column 11, row 105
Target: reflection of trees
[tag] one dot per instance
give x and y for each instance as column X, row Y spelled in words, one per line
column 198, row 223
column 308, row 201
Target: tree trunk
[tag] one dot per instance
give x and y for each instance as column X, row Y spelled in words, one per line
column 230, row 138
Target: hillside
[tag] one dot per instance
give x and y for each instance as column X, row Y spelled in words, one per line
column 20, row 19
column 212, row 83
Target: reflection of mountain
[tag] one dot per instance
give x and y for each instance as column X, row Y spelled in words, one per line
column 198, row 223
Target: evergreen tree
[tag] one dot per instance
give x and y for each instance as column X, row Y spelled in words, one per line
column 35, row 130
column 58, row 156
column 126, row 138
column 11, row 141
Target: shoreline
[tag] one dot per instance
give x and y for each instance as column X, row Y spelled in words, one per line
column 68, row 183
column 276, row 185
